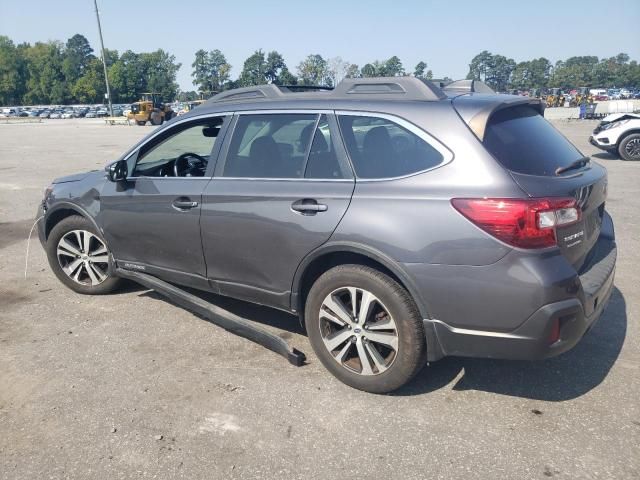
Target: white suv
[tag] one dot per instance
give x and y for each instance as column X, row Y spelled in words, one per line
column 619, row 132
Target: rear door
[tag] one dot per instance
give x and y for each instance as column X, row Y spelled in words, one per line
column 533, row 151
column 280, row 189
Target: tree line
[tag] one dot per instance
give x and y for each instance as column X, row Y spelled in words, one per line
column 60, row 73
column 503, row 74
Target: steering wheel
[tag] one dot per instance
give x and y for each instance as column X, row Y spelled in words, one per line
column 188, row 164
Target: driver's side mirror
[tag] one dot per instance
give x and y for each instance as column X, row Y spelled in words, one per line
column 117, row 171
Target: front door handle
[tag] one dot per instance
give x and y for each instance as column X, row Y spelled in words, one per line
column 184, row 203
column 308, row 206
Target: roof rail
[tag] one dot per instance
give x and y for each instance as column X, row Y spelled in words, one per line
column 392, row 88
column 247, row 93
column 468, row 86
column 382, row 88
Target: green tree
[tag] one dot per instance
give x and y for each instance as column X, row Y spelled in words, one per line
column 393, row 67
column 314, row 70
column 159, row 70
column 46, row 82
column 495, row 70
column 254, row 70
column 420, row 70
column 210, row 71
column 352, row 71
column 12, row 73
column 90, row 88
column 77, row 55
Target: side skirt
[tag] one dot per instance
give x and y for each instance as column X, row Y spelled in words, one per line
column 221, row 317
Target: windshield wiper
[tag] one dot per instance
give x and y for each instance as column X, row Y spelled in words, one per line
column 581, row 162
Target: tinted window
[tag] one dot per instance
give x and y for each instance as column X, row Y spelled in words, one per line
column 380, row 148
column 270, row 146
column 524, row 142
column 323, row 161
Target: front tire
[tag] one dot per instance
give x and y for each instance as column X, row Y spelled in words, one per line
column 629, row 148
column 79, row 257
column 365, row 328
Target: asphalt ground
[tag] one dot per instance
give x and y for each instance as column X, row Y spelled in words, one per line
column 130, row 386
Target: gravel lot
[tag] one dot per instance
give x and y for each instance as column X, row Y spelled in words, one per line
column 130, row 386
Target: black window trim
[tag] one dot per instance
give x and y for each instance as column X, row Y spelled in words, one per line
column 447, row 155
column 333, row 126
column 132, row 156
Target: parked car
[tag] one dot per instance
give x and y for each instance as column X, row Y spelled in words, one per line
column 402, row 222
column 45, row 114
column 619, row 134
column 55, row 114
column 91, row 114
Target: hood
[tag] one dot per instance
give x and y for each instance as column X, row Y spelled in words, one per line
column 76, row 177
column 614, row 117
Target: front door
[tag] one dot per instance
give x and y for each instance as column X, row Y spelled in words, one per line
column 152, row 221
column 279, row 193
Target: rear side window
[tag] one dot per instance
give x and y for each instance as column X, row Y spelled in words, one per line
column 380, row 148
column 270, row 146
column 524, row 142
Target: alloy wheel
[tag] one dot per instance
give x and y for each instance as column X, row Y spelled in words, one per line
column 83, row 257
column 632, row 148
column 358, row 330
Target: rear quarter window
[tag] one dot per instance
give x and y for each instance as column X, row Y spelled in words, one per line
column 524, row 142
column 380, row 148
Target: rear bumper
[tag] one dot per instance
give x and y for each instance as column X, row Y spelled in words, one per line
column 532, row 339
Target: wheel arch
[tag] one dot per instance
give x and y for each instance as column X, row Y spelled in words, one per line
column 63, row 210
column 331, row 255
column 626, row 133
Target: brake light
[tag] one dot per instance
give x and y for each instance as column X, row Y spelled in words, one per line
column 523, row 223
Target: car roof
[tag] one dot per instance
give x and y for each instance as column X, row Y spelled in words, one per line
column 474, row 101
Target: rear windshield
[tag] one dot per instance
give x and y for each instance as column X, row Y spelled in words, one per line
column 524, row 142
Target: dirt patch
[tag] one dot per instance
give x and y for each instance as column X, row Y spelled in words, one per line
column 10, row 298
column 14, row 232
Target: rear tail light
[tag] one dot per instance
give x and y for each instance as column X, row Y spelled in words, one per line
column 523, row 223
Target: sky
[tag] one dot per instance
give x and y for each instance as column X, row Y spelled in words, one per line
column 446, row 35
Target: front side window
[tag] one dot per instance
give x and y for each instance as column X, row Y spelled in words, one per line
column 183, row 151
column 270, row 146
column 380, row 148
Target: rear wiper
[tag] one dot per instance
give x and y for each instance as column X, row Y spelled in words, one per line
column 581, row 162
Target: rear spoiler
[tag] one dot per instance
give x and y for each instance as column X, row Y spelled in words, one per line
column 477, row 114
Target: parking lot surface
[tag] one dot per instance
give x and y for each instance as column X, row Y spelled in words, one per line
column 131, row 386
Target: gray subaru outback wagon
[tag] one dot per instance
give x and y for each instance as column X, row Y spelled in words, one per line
column 402, row 221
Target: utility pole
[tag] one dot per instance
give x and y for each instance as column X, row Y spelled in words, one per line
column 104, row 60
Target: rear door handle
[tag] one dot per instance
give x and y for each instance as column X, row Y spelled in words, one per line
column 184, row 203
column 308, row 206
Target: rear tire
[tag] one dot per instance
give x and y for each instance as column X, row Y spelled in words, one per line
column 80, row 258
column 629, row 148
column 378, row 346
column 140, row 123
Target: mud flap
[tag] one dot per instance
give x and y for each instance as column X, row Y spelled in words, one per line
column 221, row 317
